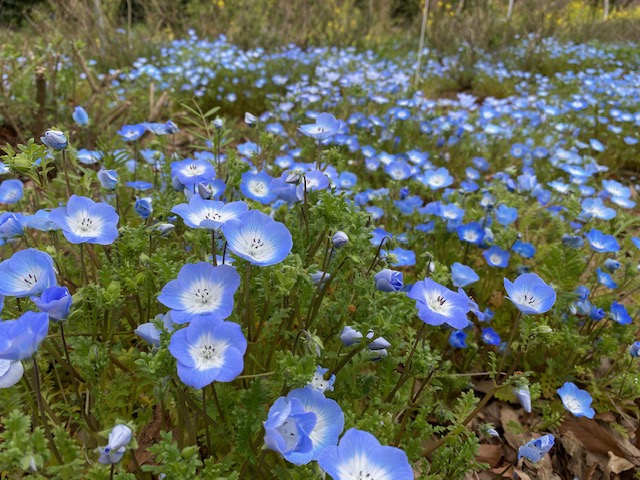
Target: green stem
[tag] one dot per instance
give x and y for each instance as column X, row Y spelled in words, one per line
column 43, row 415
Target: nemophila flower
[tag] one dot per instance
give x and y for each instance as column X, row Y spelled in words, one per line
column 506, row 215
column 143, row 207
column 462, row 276
column 257, row 187
column 524, row 249
column 11, row 372
column 288, row 426
column 250, row 119
column 595, row 208
column 619, row 314
column 388, row 280
column 359, row 455
column 211, row 189
column 438, row 305
column 403, row 257
column 80, row 116
column 210, row 214
column 496, row 257
column 311, row 181
column 201, row 291
column 339, row 239
column 458, row 339
column 524, row 397
column 572, row 241
column 88, row 157
column 490, row 336
column 398, row 170
column 349, row 336
column 258, row 238
column 576, row 401
column 616, row 189
column 471, row 232
column 530, row 294
column 131, row 133
column 605, row 279
column 634, row 349
column 318, row 381
column 437, row 179
column 11, row 191
column 596, row 313
column 108, row 179
column 20, row 339
column 208, row 351
column 601, row 242
column 28, row 272
column 11, row 225
column 84, row 220
column 473, row 306
column 119, row 438
column 55, row 139
column 325, row 127
column 140, row 185
column 150, row 333
column 189, row 172
column 319, row 277
column 535, row 449
column 54, row 301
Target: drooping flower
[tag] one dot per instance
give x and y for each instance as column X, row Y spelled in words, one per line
column 208, row 351
column 201, row 291
column 326, row 126
column 20, row 339
column 11, row 225
column 54, row 301
column 11, row 372
column 388, row 280
column 462, row 275
column 535, row 449
column 209, row 214
column 530, row 294
column 350, row 336
column 438, row 305
column 143, row 207
column 84, row 220
column 575, row 400
column 11, row 191
column 524, row 396
column 28, row 272
column 55, row 139
column 359, row 455
column 119, row 438
column 258, row 238
column 634, row 349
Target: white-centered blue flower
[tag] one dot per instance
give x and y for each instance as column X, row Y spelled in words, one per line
column 201, row 291
column 535, row 449
column 438, row 305
column 84, row 220
column 210, row 214
column 28, row 272
column 530, row 294
column 575, row 400
column 257, row 186
column 326, row 126
column 11, row 191
column 360, row 456
column 258, row 238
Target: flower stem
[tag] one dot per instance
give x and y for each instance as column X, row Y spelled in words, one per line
column 43, row 415
column 206, row 420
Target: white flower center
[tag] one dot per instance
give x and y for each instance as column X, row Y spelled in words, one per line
column 495, row 258
column 360, row 467
column 207, row 353
column 572, row 404
column 289, row 432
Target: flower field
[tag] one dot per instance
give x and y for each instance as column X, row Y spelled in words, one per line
column 306, row 263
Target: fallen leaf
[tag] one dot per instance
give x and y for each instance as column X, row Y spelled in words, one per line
column 490, row 454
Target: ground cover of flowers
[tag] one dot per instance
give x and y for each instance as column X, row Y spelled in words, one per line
column 351, row 280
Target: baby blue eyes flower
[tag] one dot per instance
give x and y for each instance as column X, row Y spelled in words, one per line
column 339, row 239
column 11, row 372
column 619, row 314
column 506, row 215
column 490, row 336
column 11, row 191
column 462, row 276
column 84, row 220
column 458, row 339
column 209, row 214
column 634, row 349
column 576, row 401
column 20, row 339
column 325, row 127
column 524, row 396
column 350, row 336
column 28, row 272
column 438, row 305
column 537, row 448
column 359, row 455
column 258, row 238
column 605, row 279
column 207, row 351
column 119, row 438
column 388, row 280
column 143, row 207
column 54, row 301
column 437, row 179
column 131, row 133
column 108, row 179
column 472, row 233
column 11, row 225
column 601, row 242
column 595, row 208
column 319, row 383
column 201, row 291
column 80, row 116
column 530, row 294
column 257, row 187
column 496, row 257
column 55, row 139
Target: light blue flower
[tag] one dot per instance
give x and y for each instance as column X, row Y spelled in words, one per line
column 325, row 127
column 350, row 336
column 257, row 187
column 388, row 280
column 40, row 221
column 318, row 381
column 576, row 401
column 524, row 249
column 143, row 207
column 11, row 191
column 209, row 214
column 619, row 314
column 88, row 157
column 84, row 220
column 208, row 351
column 12, row 225
column 595, row 208
column 601, row 242
column 28, row 272
column 524, row 397
column 80, row 116
column 131, row 133
column 258, row 238
column 20, row 339
column 472, row 233
column 496, row 257
column 201, row 291
column 288, row 426
column 490, row 336
column 458, row 339
column 437, row 179
column 605, row 279
column 55, row 139
column 462, row 275
column 438, row 305
column 119, row 438
column 189, row 172
column 530, row 294
column 537, row 448
column 108, row 179
column 506, row 215
column 55, row 301
column 634, row 349
column 359, row 455
column 11, row 372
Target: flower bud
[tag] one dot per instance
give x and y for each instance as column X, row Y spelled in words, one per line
column 339, row 239
column 218, row 123
column 250, row 119
column 54, row 301
column 350, row 336
column 388, row 280
column 80, row 116
column 55, row 139
column 108, row 179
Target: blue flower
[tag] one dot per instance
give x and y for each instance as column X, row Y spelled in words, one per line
column 462, row 276
column 119, row 438
column 311, row 181
column 634, row 349
column 596, row 314
column 80, row 116
column 201, row 291
column 190, row 172
column 601, row 242
column 11, row 372
column 576, row 401
column 108, row 179
column 360, row 455
column 140, row 185
column 611, row 264
column 20, row 339
column 496, row 257
column 11, row 191
column 54, row 301
column 472, row 233
column 11, row 225
column 325, row 127
column 350, row 336
column 524, row 249
column 288, row 426
column 257, row 187
column 490, row 336
column 319, row 383
column 40, row 221
column 258, row 238
column 55, row 139
column 619, row 314
column 594, row 208
column 210, row 214
column 438, row 305
column 84, row 220
column 506, row 215
column 88, row 157
column 208, row 351
column 28, row 272
column 388, row 280
column 524, row 396
column 537, row 448
column 131, row 133
column 143, row 207
column 404, row 257
column 458, row 339
column 605, row 279
column 436, row 179
column 530, row 294
column 339, row 239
